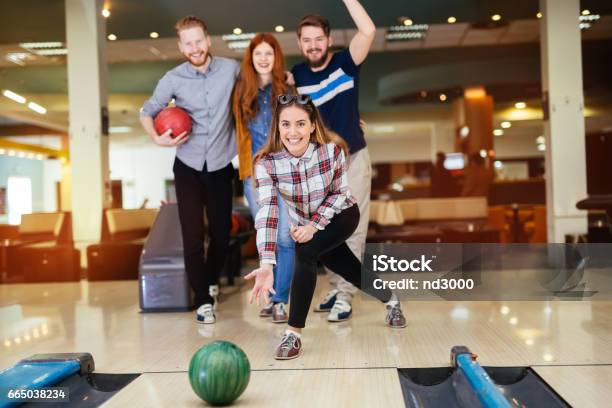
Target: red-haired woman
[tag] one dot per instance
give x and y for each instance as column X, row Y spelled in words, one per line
column 262, row 79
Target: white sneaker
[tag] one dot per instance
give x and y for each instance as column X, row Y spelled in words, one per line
column 340, row 312
column 328, row 301
column 213, row 291
column 205, row 314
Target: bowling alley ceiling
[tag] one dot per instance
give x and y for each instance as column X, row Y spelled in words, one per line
column 136, row 61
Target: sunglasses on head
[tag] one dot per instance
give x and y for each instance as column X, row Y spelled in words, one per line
column 286, row 99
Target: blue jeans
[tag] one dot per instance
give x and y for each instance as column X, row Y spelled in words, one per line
column 285, row 246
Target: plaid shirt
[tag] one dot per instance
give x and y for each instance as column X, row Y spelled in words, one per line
column 314, row 186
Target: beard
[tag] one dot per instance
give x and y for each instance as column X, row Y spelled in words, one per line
column 195, row 62
column 320, row 62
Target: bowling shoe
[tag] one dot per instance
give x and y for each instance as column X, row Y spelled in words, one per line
column 279, row 313
column 340, row 312
column 267, row 310
column 395, row 317
column 290, row 347
column 205, row 314
column 328, row 301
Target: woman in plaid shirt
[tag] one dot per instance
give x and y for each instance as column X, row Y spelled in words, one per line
column 306, row 165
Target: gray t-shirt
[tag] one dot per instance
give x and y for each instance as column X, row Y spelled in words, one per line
column 207, row 99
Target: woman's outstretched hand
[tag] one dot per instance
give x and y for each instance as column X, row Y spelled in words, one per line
column 264, row 283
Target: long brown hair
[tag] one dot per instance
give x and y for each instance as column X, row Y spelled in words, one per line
column 248, row 83
column 321, row 134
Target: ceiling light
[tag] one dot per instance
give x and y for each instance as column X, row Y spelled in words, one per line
column 238, row 42
column 541, row 147
column 39, row 157
column 520, row 105
column 498, row 165
column 21, row 155
column 11, row 153
column 498, row 132
column 119, row 129
column 442, row 97
column 539, row 15
column 513, row 321
column 384, row 129
column 237, row 31
column 154, row 34
column 38, row 45
column 279, row 28
column 406, row 33
column 495, row 17
column 47, row 53
column 30, row 155
column 529, row 342
column 585, row 12
column 451, row 20
column 2, row 151
column 106, row 13
column 112, row 37
column 12, row 95
column 506, row 125
column 540, row 140
column 37, row 108
column 408, row 22
column 483, row 153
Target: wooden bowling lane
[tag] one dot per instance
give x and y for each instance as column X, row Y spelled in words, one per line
column 581, row 386
column 103, row 318
column 273, row 388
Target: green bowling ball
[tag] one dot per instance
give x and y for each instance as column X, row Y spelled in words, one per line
column 219, row 372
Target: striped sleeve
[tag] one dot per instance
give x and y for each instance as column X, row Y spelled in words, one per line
column 338, row 192
column 266, row 220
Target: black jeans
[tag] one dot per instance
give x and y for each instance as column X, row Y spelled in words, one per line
column 197, row 191
column 330, row 247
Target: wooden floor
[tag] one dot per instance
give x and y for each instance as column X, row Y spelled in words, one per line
column 353, row 363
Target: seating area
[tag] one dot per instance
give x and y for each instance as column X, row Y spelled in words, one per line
column 40, row 250
column 456, row 219
column 117, row 255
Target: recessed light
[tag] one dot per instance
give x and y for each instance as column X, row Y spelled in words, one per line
column 520, row 105
column 585, row 12
column 106, row 13
column 154, row 34
column 279, row 28
column 111, row 37
column 442, row 97
column 408, row 22
column 539, row 15
column 452, row 20
column 495, row 17
column 237, row 30
column 498, row 132
column 506, row 125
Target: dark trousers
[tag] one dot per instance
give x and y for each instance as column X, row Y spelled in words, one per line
column 330, row 248
column 197, row 191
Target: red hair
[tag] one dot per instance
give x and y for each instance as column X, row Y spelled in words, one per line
column 247, row 85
